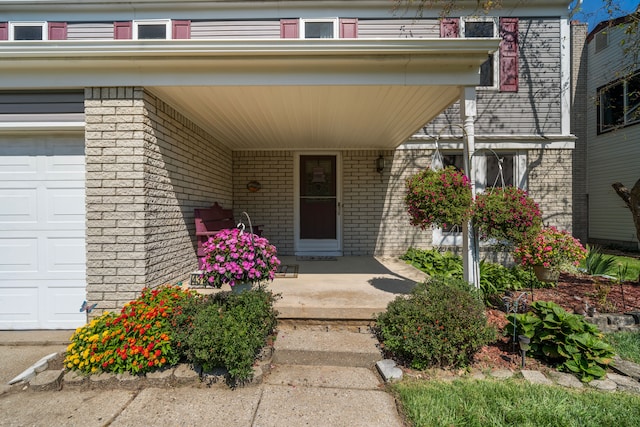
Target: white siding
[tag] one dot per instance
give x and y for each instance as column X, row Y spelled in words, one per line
column 612, row 156
column 398, row 28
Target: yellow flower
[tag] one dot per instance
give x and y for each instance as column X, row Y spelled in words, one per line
column 70, row 346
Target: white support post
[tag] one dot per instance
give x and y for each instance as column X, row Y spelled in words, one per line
column 470, row 255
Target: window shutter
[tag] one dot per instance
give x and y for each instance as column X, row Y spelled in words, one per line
column 289, row 29
column 181, row 29
column 123, row 30
column 4, row 31
column 449, row 28
column 349, row 28
column 57, row 30
column 509, row 54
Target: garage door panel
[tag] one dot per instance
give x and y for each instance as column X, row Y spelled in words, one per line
column 18, row 205
column 15, row 166
column 19, row 255
column 19, row 307
column 63, row 309
column 65, row 205
column 66, row 255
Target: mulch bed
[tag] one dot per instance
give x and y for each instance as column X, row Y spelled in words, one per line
column 573, row 293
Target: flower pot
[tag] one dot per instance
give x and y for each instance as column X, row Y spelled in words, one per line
column 546, row 274
column 241, row 287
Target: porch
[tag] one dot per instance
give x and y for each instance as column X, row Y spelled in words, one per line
column 348, row 289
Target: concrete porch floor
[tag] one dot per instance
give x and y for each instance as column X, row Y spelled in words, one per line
column 344, row 289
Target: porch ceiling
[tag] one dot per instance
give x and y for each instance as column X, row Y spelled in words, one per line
column 270, row 94
column 310, row 117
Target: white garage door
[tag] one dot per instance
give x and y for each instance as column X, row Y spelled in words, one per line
column 42, row 229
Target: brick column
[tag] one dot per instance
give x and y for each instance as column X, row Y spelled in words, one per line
column 115, row 195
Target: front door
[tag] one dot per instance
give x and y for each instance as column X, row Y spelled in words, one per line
column 318, row 205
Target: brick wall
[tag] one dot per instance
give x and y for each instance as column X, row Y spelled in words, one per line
column 272, row 206
column 144, row 177
column 550, row 177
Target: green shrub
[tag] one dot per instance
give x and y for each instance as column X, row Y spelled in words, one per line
column 227, row 330
column 138, row 340
column 440, row 324
column 563, row 338
column 495, row 279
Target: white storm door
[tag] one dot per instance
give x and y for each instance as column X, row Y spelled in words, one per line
column 318, row 205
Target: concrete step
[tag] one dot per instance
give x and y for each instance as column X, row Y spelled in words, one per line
column 325, row 347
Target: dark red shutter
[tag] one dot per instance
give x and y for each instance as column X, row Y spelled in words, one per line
column 349, row 28
column 57, row 30
column 449, row 28
column 4, row 31
column 123, row 30
column 289, row 29
column 181, row 29
column 509, row 54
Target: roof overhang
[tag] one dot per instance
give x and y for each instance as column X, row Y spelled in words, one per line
column 270, row 94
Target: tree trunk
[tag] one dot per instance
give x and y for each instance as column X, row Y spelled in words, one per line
column 632, row 200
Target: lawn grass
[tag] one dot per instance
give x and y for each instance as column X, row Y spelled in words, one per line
column 633, row 269
column 625, row 344
column 467, row 402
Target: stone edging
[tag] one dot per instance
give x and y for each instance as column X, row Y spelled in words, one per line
column 609, row 322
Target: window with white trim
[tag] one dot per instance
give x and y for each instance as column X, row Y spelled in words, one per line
column 493, row 169
column 483, row 27
column 28, row 31
column 157, row 29
column 619, row 103
column 319, row 28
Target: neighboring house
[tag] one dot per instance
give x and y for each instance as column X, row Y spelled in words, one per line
column 612, row 130
column 118, row 118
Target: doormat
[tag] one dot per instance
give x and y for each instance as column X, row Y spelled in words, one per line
column 316, row 258
column 289, row 271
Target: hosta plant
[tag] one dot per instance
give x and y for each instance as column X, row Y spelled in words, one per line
column 438, row 197
column 137, row 340
column 563, row 338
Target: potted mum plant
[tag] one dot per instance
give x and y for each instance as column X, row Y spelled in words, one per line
column 507, row 215
column 238, row 258
column 438, row 197
column 550, row 252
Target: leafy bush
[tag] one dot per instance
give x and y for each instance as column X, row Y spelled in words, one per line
column 434, row 262
column 495, row 279
column 136, row 341
column 564, row 338
column 227, row 330
column 440, row 324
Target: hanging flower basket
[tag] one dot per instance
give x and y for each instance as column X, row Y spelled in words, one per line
column 235, row 257
column 507, row 215
column 438, row 197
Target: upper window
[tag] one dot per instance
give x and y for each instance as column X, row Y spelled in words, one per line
column 619, row 103
column 483, row 28
column 28, row 31
column 319, row 29
column 152, row 30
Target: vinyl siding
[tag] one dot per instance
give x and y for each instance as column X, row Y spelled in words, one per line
column 535, row 109
column 235, row 29
column 27, row 106
column 612, row 156
column 90, row 31
column 398, row 28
